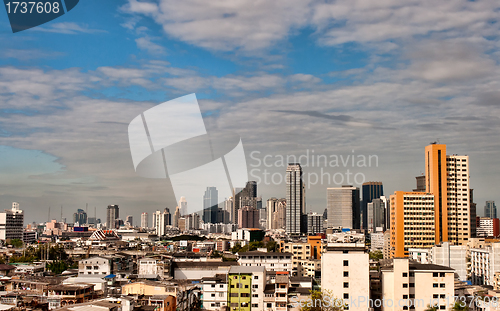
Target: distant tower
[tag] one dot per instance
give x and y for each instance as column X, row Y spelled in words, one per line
column 210, row 205
column 370, row 190
column 130, row 220
column 112, row 215
column 144, row 220
column 490, row 209
column 183, row 205
column 296, row 223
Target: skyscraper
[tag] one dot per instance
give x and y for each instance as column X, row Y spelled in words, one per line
column 490, row 209
column 144, row 221
column 112, row 214
column 130, row 220
column 296, row 223
column 80, row 217
column 183, row 206
column 370, row 190
column 210, row 205
column 177, row 216
column 248, row 217
column 343, row 207
column 447, row 177
column 161, row 221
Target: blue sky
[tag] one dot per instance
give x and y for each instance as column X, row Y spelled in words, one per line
column 384, row 78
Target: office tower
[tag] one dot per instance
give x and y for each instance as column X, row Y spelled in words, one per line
column 276, row 213
column 144, row 220
column 161, row 221
column 80, row 217
column 229, row 208
column 447, row 177
column 90, row 220
column 112, row 213
column 262, row 218
column 129, row 220
column 236, row 204
column 473, row 214
column 222, row 215
column 343, row 207
column 271, row 208
column 210, row 205
column 183, row 205
column 314, row 223
column 412, row 222
column 490, row 209
column 12, row 223
column 248, row 217
column 377, row 213
column 192, row 221
column 177, row 216
column 325, row 214
column 370, row 190
column 295, row 199
column 420, row 184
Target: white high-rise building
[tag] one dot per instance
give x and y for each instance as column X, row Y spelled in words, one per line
column 144, row 220
column 12, row 223
column 457, row 168
column 183, row 205
column 161, row 221
column 295, row 222
column 343, row 207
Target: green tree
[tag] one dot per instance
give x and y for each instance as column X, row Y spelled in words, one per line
column 460, row 306
column 17, row 243
column 431, row 308
column 236, row 248
column 376, row 255
column 272, row 246
column 58, row 266
column 321, row 301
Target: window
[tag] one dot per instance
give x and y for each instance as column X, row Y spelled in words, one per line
column 405, row 307
column 255, row 286
column 346, row 284
column 346, row 296
column 255, row 277
column 255, row 305
column 412, row 274
column 442, row 296
column 346, row 263
column 405, row 274
column 435, row 285
column 405, row 285
column 246, row 286
column 441, row 274
column 442, row 307
column 435, row 274
column 412, row 284
column 405, row 296
column 221, row 286
column 345, row 252
column 435, row 296
column 255, row 295
column 221, row 294
column 213, row 285
column 442, row 285
column 213, row 295
column 346, row 273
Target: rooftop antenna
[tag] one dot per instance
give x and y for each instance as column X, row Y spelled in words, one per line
column 49, row 215
column 61, row 213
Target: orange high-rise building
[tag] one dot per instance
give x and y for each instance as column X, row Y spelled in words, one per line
column 436, row 183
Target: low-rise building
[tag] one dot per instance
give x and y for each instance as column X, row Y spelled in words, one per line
column 408, row 285
column 214, row 291
column 272, row 261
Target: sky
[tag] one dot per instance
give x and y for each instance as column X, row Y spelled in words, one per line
column 338, row 79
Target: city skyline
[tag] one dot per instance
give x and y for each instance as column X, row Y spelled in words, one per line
column 319, row 81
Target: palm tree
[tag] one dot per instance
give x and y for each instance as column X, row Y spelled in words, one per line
column 431, row 308
column 460, row 306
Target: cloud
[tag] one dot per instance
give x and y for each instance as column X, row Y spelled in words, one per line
column 145, row 43
column 68, row 28
column 220, row 25
column 31, row 54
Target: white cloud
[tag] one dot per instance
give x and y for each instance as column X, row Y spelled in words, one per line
column 145, row 43
column 68, row 28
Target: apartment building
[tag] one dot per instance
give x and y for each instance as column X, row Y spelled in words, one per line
column 272, row 261
column 408, row 285
column 246, row 288
column 95, row 266
column 214, row 291
column 345, row 272
column 484, row 262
